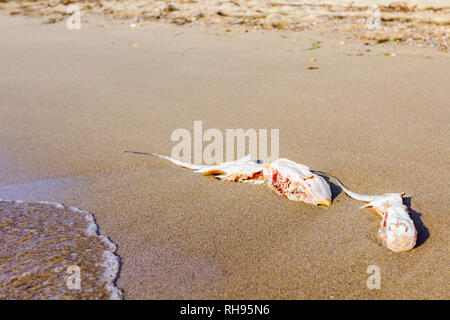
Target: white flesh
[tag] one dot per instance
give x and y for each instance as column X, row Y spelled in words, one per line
column 315, row 188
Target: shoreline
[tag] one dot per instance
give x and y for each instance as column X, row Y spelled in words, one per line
column 57, row 253
column 71, row 101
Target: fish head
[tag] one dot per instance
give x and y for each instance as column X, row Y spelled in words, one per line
column 398, row 234
column 397, row 231
column 397, row 237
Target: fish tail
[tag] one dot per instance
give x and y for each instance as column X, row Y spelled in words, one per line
column 175, row 161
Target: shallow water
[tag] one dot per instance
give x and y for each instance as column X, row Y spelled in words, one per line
column 49, row 251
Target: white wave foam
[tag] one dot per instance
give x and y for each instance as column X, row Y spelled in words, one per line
column 110, row 259
column 91, row 229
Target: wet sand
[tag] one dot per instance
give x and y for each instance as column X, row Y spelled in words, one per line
column 70, row 101
column 45, row 249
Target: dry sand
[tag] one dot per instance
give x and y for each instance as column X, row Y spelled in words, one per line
column 70, row 101
column 414, row 22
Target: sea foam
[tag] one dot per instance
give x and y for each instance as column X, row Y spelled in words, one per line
column 41, row 240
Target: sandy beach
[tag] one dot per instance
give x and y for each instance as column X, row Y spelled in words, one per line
column 375, row 115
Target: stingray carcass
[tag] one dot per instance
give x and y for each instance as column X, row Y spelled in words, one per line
column 292, row 180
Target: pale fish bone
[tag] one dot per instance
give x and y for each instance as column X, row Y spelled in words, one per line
column 292, row 180
column 397, row 231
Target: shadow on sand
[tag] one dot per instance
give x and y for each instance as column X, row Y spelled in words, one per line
column 422, row 232
column 335, row 189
